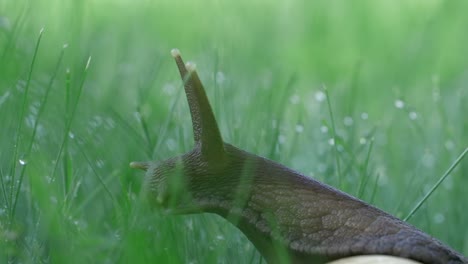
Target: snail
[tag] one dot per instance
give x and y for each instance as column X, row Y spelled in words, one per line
column 289, row 217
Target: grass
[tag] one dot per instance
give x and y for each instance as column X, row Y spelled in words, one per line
column 395, row 73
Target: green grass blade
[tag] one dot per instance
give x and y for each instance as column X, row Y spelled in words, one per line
column 69, row 121
column 365, row 173
column 36, row 123
column 447, row 173
column 335, row 139
column 20, row 126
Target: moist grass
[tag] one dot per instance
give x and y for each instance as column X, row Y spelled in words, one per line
column 87, row 87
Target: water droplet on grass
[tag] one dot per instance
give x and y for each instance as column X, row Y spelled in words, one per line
column 449, row 145
column 169, row 88
column 171, row 144
column 362, row 141
column 348, row 121
column 110, row 123
column 4, row 97
column 49, row 179
column 22, row 162
column 100, row 163
column 294, row 99
column 320, row 96
column 413, row 115
column 428, row 159
column 331, row 141
column 399, row 104
column 321, row 168
column 220, row 77
column 274, row 123
column 5, row 23
column 299, row 128
column 281, row 139
column 324, row 129
column 364, row 116
column 439, row 218
column 189, row 224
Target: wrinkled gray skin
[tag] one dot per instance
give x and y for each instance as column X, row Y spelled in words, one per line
column 312, row 221
column 278, row 209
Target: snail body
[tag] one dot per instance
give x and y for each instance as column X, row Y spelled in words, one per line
column 289, row 217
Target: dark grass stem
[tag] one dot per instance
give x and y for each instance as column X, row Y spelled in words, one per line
column 65, row 159
column 2, row 182
column 20, row 126
column 365, row 171
column 436, row 185
column 374, row 188
column 333, row 131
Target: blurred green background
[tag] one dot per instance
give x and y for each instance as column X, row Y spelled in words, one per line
column 395, row 72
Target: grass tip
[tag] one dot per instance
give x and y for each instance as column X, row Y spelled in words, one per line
column 88, row 62
column 139, row 165
column 175, row 53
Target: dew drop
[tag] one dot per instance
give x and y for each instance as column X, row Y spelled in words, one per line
column 439, row 218
column 100, row 163
column 137, row 116
column 448, row 183
column 117, row 235
column 110, row 123
column 281, row 139
column 299, row 128
column 274, row 123
column 22, row 162
column 4, row 97
column 324, row 129
column 331, row 141
column 449, row 145
column 348, row 121
column 5, row 23
column 364, row 116
column 320, row 96
column 220, row 77
column 169, row 88
column 247, row 246
column 171, row 144
column 413, row 115
column 399, row 104
column 428, row 159
column 322, row 168
column 362, row 141
column 49, row 179
column 294, row 99
column 189, row 224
